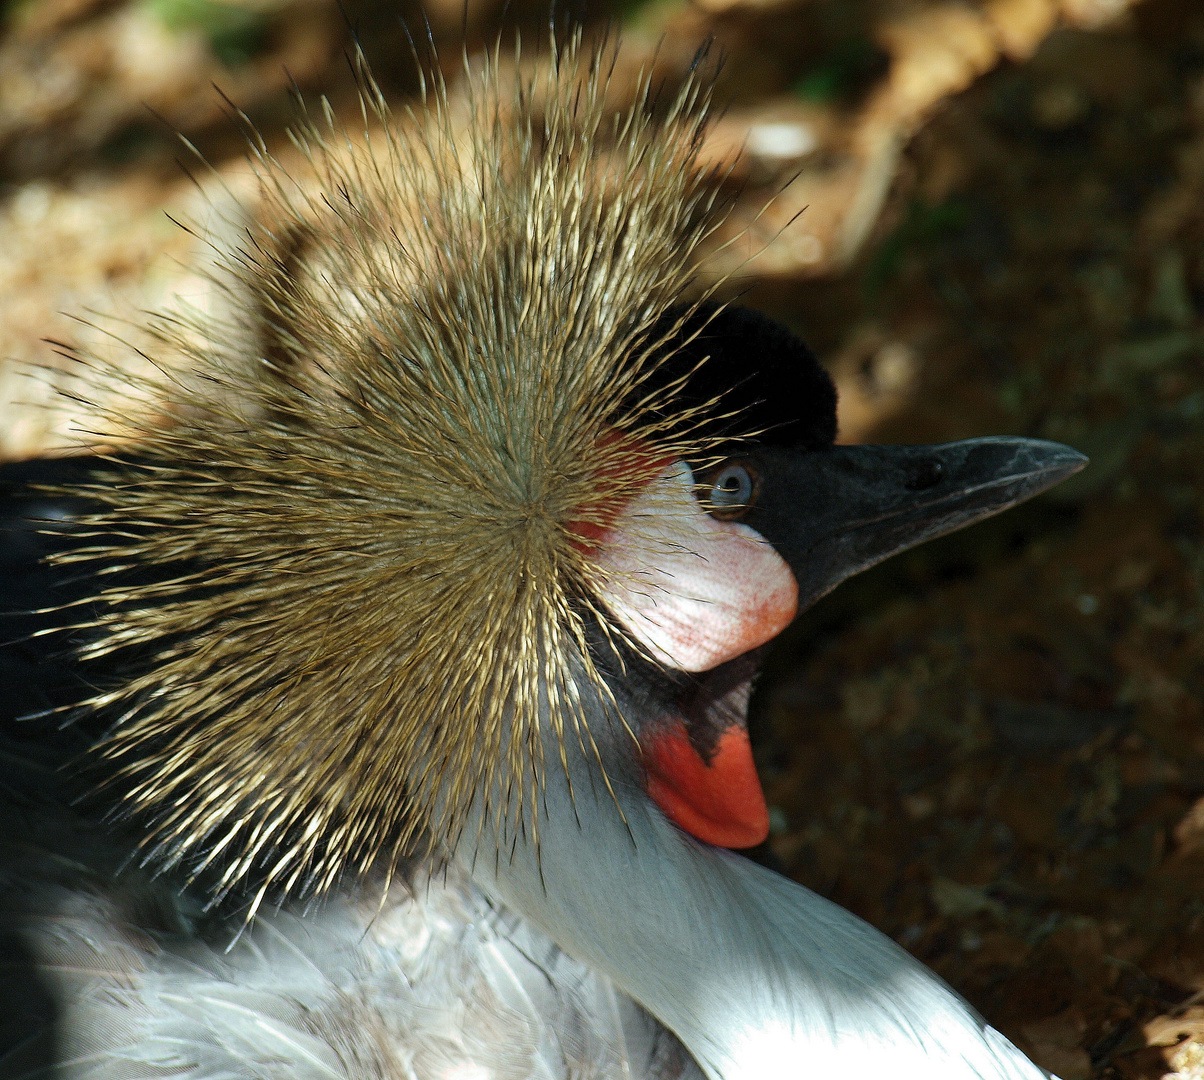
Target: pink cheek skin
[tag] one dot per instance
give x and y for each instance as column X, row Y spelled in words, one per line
column 693, row 590
column 753, row 596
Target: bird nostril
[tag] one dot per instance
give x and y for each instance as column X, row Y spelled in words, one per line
column 926, row 474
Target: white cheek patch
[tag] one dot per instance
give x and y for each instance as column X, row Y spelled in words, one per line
column 693, row 590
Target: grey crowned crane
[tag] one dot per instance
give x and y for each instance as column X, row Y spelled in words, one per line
column 430, row 601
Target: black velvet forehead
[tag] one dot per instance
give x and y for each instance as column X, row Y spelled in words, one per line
column 765, row 377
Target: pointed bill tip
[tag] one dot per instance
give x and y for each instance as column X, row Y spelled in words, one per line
column 1035, row 461
column 977, row 478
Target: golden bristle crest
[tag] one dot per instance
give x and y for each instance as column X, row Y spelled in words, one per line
column 367, row 500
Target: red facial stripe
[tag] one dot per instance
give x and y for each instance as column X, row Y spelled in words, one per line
column 630, row 458
column 721, row 803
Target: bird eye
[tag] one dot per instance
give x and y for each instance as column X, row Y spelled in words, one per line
column 731, row 488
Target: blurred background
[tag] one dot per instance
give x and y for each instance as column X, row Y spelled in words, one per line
column 988, row 218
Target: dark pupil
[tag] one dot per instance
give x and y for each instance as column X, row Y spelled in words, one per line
column 732, row 487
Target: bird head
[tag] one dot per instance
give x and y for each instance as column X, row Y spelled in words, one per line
column 467, row 523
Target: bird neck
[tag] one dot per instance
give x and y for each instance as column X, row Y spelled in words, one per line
column 755, row 974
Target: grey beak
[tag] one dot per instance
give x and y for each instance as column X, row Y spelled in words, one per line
column 832, row 513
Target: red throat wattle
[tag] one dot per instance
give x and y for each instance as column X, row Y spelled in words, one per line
column 719, row 802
